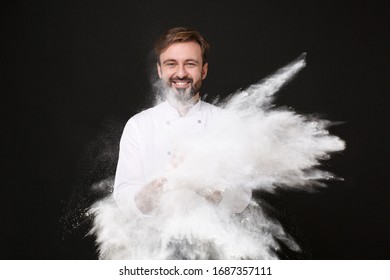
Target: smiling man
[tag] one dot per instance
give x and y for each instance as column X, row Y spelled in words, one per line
column 182, row 66
column 147, row 146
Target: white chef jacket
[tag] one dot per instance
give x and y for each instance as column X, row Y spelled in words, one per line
column 147, row 147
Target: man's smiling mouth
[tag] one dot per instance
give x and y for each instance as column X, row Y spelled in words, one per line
column 181, row 83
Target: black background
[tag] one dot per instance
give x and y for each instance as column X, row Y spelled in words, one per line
column 75, row 71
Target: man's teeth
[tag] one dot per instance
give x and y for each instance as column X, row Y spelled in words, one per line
column 181, row 83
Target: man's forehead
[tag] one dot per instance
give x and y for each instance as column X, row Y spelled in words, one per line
column 182, row 51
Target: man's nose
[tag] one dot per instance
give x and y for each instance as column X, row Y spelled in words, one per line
column 181, row 71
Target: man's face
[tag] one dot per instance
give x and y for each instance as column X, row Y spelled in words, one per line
column 181, row 70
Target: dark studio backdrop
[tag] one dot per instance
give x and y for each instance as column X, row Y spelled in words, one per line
column 75, row 71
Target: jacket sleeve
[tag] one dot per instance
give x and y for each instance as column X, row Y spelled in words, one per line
column 129, row 177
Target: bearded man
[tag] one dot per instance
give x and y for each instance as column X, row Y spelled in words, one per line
column 147, row 146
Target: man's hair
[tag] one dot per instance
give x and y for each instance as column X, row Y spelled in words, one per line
column 181, row 35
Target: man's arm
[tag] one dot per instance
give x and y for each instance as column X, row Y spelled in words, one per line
column 129, row 177
column 131, row 191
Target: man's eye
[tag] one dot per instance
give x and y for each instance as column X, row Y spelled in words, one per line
column 191, row 64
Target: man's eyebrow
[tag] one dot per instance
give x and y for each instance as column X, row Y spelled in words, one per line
column 169, row 60
column 192, row 60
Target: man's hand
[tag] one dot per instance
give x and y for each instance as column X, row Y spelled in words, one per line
column 147, row 198
column 214, row 197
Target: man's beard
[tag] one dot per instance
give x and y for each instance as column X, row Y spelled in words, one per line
column 181, row 95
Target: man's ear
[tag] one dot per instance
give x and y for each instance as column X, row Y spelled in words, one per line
column 205, row 68
column 159, row 70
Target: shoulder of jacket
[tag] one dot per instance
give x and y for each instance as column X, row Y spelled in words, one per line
column 145, row 115
column 209, row 107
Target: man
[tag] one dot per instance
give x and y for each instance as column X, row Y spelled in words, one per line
column 147, row 147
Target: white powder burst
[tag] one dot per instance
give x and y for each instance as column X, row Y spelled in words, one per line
column 249, row 145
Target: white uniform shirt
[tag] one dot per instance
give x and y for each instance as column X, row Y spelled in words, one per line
column 147, row 147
